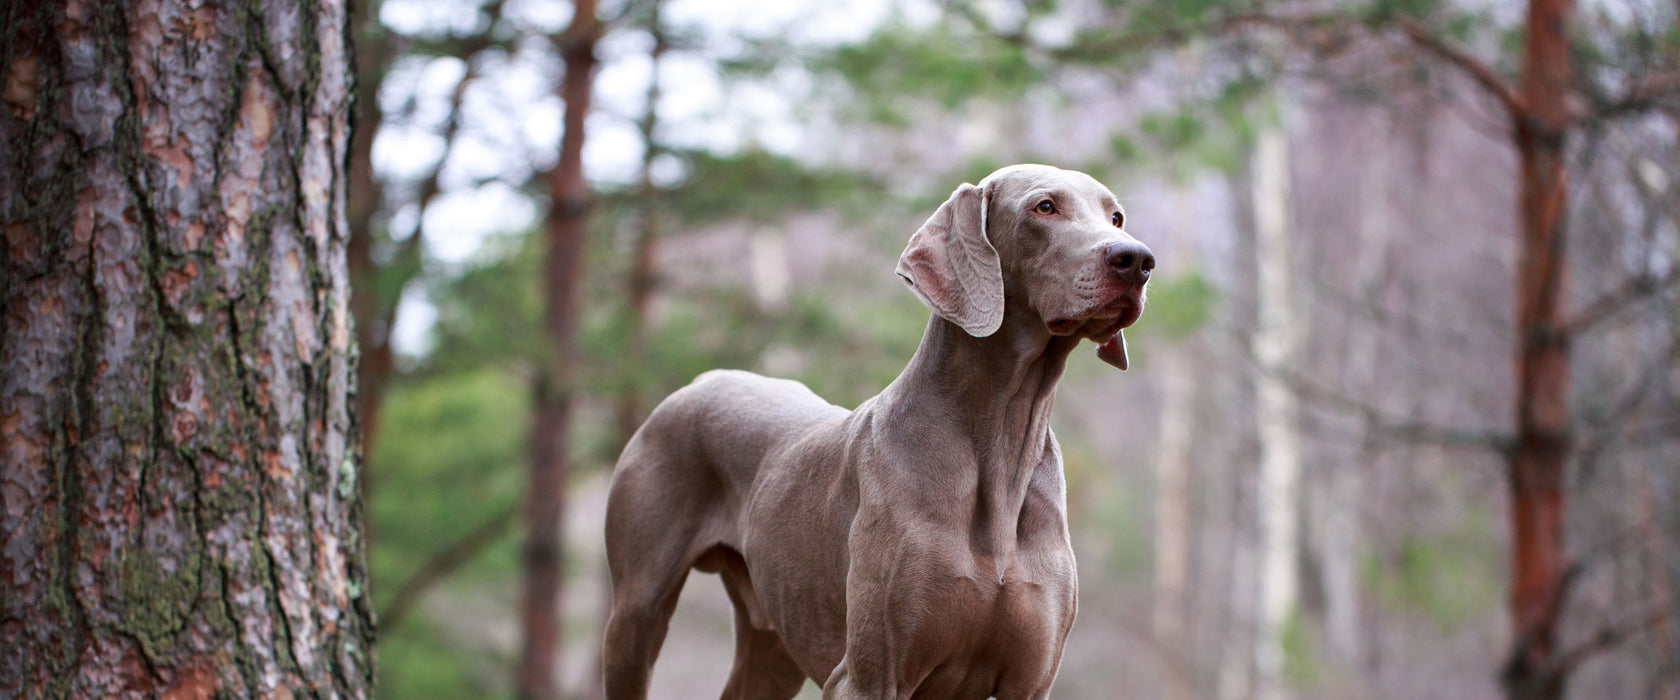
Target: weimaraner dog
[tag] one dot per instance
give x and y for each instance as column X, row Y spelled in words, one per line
column 916, row 547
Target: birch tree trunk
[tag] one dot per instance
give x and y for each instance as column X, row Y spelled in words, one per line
column 178, row 448
column 1275, row 337
column 1172, row 519
column 1177, row 370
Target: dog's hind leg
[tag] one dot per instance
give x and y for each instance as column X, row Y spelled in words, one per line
column 641, row 615
column 653, row 522
column 763, row 668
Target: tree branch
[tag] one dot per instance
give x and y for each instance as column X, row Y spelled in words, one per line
column 1320, row 30
column 1477, row 69
column 1634, row 289
column 1394, row 428
column 1339, row 25
column 1609, row 637
column 1654, row 91
column 447, row 561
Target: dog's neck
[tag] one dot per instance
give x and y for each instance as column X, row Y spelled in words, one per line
column 993, row 393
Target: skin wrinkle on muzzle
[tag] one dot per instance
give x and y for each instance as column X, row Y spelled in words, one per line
column 918, row 545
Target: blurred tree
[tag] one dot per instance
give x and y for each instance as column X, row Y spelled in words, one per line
column 180, row 446
column 1277, row 334
column 565, row 231
column 641, row 279
column 1181, row 305
column 382, row 265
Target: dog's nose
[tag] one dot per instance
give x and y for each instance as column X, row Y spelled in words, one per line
column 1130, row 259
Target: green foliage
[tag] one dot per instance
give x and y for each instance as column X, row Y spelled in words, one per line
column 491, row 311
column 757, row 186
column 423, row 661
column 449, row 456
column 1199, row 134
column 1124, row 148
column 946, row 65
column 1180, row 305
column 1300, row 651
column 1151, row 17
column 1611, row 48
column 852, row 350
column 450, row 453
column 1449, row 576
column 1118, row 513
column 1385, row 11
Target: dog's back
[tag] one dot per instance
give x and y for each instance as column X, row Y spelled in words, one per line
column 727, row 421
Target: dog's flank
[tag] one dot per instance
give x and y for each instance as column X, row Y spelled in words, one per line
column 918, row 545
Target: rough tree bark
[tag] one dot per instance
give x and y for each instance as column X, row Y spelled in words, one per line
column 178, row 449
column 565, row 231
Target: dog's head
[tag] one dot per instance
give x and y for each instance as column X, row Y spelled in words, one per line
column 1052, row 239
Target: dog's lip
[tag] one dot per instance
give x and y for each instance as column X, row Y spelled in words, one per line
column 1108, row 332
column 1070, row 326
column 1114, row 315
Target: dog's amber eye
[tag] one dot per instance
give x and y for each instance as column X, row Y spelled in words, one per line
column 1118, row 219
column 1046, row 207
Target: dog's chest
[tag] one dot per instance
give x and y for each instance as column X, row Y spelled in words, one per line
column 1000, row 626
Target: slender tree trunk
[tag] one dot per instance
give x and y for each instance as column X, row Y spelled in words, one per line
column 366, row 197
column 640, row 284
column 1280, row 448
column 1542, row 448
column 1340, row 490
column 1172, row 519
column 642, row 278
column 178, row 448
column 1234, row 538
column 566, row 227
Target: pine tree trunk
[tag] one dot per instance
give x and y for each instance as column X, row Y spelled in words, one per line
column 566, row 228
column 1537, row 460
column 178, row 451
column 642, row 277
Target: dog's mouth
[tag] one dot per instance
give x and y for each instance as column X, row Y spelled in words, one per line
column 1103, row 325
column 1097, row 329
column 1102, row 321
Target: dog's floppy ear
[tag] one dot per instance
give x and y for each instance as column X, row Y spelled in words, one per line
column 953, row 267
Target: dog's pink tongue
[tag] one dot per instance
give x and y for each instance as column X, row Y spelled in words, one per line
column 1113, row 351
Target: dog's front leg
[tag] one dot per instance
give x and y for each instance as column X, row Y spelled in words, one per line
column 890, row 617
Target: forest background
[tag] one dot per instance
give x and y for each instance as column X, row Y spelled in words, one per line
column 1402, row 418
column 1304, row 487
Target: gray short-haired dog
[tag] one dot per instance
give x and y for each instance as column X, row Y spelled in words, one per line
column 914, row 547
